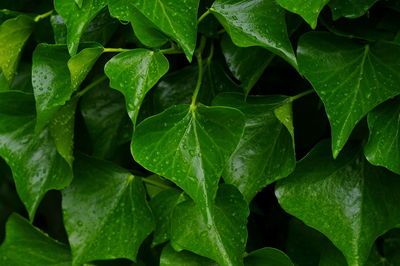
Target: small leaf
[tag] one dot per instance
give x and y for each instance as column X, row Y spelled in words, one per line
column 350, row 78
column 246, row 64
column 383, row 147
column 361, row 199
column 189, row 146
column 26, row 245
column 256, row 23
column 265, row 153
column 77, row 18
column 220, row 235
column 267, row 257
column 308, row 9
column 144, row 68
column 108, row 218
column 14, row 33
column 350, row 8
column 170, row 257
column 177, row 19
column 36, row 165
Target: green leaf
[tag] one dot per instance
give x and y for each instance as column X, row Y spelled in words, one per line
column 14, row 33
column 266, row 151
column 267, row 257
column 177, row 19
column 361, row 199
column 189, row 146
column 162, row 205
column 144, row 29
column 36, row 165
column 383, row 147
column 246, row 64
column 351, row 78
column 79, row 3
column 308, row 9
column 145, row 68
column 25, row 245
column 77, row 18
column 170, row 257
column 256, row 23
column 220, row 235
column 108, row 218
column 350, row 8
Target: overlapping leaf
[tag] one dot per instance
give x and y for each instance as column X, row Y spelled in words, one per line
column 267, row 257
column 350, row 8
column 170, row 257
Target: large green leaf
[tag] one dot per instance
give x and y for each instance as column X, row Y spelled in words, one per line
column 383, row 147
column 144, row 29
column 266, row 151
column 256, row 23
column 350, row 8
column 170, row 257
column 25, row 245
column 144, row 68
column 267, row 257
column 177, row 19
column 36, row 165
column 351, row 78
column 14, row 33
column 308, row 9
column 189, row 146
column 105, row 212
column 220, row 235
column 246, row 64
column 77, row 18
column 347, row 199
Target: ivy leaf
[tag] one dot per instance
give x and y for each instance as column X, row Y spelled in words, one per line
column 189, row 146
column 170, row 257
column 108, row 218
column 36, row 165
column 77, row 18
column 350, row 8
column 14, row 33
column 256, row 23
column 162, row 206
column 26, row 245
column 308, row 9
column 145, row 68
column 267, row 257
column 144, row 29
column 177, row 19
column 360, row 198
column 219, row 235
column 246, row 64
column 350, row 78
column 265, row 153
column 383, row 145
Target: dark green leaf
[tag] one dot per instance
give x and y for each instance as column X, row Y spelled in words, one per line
column 351, row 78
column 266, row 151
column 25, row 245
column 256, row 23
column 105, row 212
column 170, row 257
column 361, row 199
column 267, row 257
column 350, row 8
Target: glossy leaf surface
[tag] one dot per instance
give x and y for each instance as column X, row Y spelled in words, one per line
column 170, row 257
column 362, row 199
column 356, row 78
column 108, row 218
column 350, row 8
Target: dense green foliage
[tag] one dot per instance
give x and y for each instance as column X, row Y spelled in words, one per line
column 200, row 132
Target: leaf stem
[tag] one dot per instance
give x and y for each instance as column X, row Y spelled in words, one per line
column 200, row 75
column 205, row 14
column 42, row 16
column 90, row 86
column 115, row 50
column 155, row 183
column 300, row 95
column 171, row 50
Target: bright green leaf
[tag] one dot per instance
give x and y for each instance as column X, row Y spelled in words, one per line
column 170, row 257
column 351, row 78
column 256, row 23
column 25, row 245
column 347, row 199
column 350, row 8
column 267, row 257
column 105, row 212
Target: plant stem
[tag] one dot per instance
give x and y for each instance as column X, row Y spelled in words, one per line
column 155, row 183
column 205, row 14
column 200, row 75
column 42, row 16
column 115, row 50
column 90, row 86
column 300, row 95
column 171, row 50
